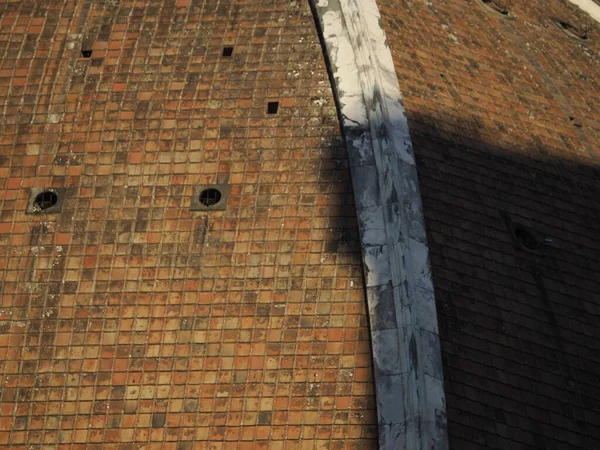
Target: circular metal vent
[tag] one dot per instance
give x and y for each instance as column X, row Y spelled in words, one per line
column 209, row 197
column 45, row 200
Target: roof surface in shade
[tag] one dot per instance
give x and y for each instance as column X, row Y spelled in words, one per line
column 506, row 127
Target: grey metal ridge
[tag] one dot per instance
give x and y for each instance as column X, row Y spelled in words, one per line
column 411, row 410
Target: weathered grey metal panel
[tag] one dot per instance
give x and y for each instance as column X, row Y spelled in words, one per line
column 404, row 331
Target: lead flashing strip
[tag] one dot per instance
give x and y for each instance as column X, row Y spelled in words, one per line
column 411, row 409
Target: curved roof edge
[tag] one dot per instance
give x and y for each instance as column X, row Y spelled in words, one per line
column 411, row 410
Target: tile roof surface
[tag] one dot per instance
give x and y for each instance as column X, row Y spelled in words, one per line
column 128, row 321
column 505, row 120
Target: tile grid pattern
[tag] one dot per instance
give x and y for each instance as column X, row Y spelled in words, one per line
column 128, row 320
column 506, row 126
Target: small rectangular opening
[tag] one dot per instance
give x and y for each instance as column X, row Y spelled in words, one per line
column 227, row 51
column 86, row 53
column 272, row 107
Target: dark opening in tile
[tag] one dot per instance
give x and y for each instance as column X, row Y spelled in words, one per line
column 526, row 238
column 575, row 121
column 209, row 197
column 496, row 5
column 272, row 107
column 86, row 53
column 45, row 201
column 227, row 51
column 571, row 30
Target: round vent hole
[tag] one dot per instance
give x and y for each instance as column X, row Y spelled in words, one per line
column 45, row 200
column 209, row 197
column 526, row 238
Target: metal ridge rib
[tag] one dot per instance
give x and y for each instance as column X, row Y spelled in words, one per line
column 404, row 332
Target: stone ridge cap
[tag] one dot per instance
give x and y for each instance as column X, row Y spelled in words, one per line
column 591, row 7
column 404, row 331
